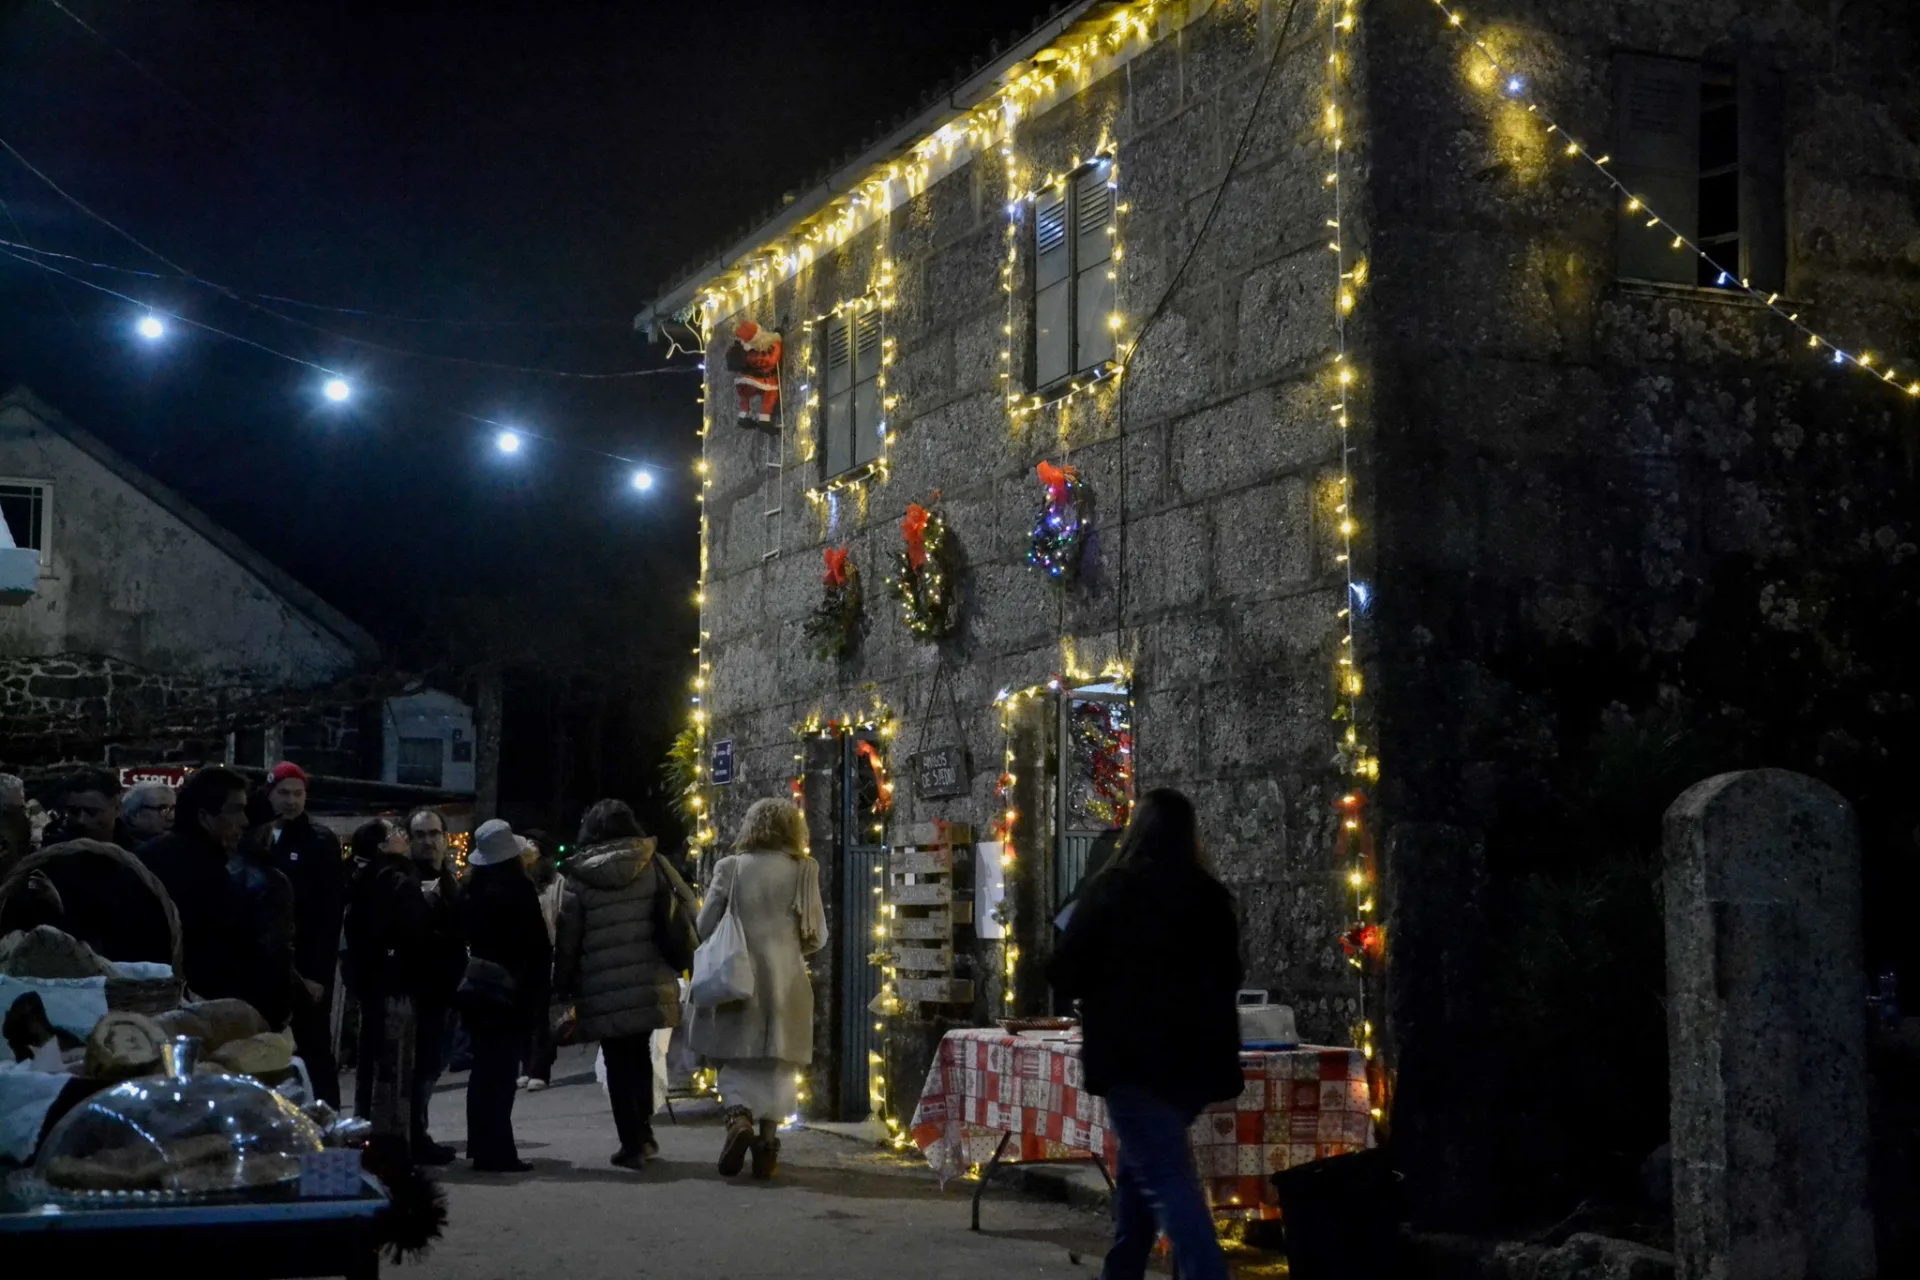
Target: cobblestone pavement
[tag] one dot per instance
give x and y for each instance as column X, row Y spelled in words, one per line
column 839, row 1208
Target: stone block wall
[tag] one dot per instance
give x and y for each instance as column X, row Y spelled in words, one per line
column 1212, row 570
column 1629, row 536
column 83, row 708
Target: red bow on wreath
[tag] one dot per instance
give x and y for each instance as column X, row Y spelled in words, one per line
column 1362, row 939
column 914, row 527
column 1056, row 479
column 837, row 566
column 883, row 798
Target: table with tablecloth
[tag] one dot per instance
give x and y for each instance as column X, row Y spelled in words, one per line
column 987, row 1088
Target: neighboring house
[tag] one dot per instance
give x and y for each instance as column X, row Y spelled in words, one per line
column 153, row 636
column 1486, row 482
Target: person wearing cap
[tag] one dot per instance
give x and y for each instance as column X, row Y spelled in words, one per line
column 309, row 856
column 504, row 990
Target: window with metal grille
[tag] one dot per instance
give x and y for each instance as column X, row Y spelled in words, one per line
column 420, row 760
column 1703, row 146
column 1073, row 276
column 27, row 507
column 853, row 425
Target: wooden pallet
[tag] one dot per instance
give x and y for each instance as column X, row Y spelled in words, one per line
column 927, row 910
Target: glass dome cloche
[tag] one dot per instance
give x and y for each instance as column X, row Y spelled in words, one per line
column 176, row 1136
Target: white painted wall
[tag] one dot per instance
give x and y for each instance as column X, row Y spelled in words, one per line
column 431, row 714
column 129, row 580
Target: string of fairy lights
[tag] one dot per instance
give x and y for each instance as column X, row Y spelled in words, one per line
column 1633, row 204
column 154, row 324
column 1362, row 939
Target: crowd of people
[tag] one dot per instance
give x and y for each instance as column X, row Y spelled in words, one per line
column 270, row 908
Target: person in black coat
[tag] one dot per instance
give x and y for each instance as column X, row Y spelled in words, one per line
column 236, row 921
column 386, row 924
column 1152, row 954
column 500, row 914
column 309, row 856
column 442, row 961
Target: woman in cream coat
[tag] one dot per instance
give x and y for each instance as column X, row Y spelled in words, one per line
column 762, row 1044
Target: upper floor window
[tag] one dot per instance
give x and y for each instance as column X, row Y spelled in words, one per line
column 27, row 507
column 854, row 424
column 1073, row 276
column 1703, row 146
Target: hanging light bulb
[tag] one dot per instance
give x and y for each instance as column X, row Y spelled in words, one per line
column 150, row 328
column 336, row 389
column 643, row 480
column 508, row 441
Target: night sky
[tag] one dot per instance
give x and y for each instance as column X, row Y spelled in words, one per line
column 522, row 175
column 546, row 164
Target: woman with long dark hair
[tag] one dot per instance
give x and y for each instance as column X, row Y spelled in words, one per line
column 1152, row 953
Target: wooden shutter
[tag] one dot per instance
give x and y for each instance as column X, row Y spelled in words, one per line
column 1052, row 290
column 837, row 422
column 1656, row 153
column 1763, row 185
column 1093, row 267
column 868, row 421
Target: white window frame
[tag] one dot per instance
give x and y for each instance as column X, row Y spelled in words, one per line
column 46, row 515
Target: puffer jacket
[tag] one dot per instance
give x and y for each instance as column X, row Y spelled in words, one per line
column 605, row 957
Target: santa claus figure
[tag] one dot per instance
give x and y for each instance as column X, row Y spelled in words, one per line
column 754, row 358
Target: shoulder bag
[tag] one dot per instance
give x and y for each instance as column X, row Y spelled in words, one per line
column 673, row 930
column 722, row 966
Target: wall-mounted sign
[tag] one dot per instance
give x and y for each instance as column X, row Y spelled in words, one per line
column 941, row 772
column 171, row 774
column 723, row 762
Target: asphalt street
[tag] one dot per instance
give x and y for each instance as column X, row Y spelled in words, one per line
column 839, row 1209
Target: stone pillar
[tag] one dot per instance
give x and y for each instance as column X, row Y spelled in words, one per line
column 1439, row 1030
column 1766, row 1032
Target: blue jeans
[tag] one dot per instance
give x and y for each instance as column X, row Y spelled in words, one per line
column 1156, row 1189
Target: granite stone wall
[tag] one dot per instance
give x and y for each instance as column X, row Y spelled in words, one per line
column 1627, row 536
column 1212, row 570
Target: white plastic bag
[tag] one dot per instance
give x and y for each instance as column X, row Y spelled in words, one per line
column 723, row 967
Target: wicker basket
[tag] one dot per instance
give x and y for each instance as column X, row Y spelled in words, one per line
column 144, row 995
column 141, row 995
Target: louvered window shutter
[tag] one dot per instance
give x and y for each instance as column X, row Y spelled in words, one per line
column 1656, row 152
column 1763, row 186
column 867, row 418
column 838, row 420
column 1052, row 291
column 1093, row 268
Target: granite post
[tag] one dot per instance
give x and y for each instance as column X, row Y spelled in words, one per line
column 1766, row 1032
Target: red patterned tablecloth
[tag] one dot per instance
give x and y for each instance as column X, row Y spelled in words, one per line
column 1298, row 1105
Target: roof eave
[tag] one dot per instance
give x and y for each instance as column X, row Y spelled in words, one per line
column 961, row 99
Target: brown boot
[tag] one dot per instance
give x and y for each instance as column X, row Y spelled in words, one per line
column 739, row 1141
column 766, row 1150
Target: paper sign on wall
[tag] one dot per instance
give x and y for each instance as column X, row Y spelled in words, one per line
column 989, row 886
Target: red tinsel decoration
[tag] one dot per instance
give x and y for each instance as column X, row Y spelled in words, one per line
column 867, row 751
column 914, row 529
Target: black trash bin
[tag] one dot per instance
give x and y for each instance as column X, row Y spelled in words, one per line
column 1340, row 1216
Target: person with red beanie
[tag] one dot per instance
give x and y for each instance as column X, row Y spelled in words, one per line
column 309, row 855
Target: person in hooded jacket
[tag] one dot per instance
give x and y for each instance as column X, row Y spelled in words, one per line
column 608, row 961
column 510, row 963
column 1152, row 954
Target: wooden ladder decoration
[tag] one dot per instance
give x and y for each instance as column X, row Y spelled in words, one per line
column 928, row 910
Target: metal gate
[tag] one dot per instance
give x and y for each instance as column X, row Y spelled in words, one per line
column 861, row 861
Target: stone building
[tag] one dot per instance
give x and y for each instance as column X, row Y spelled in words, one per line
column 153, row 635
column 1428, row 455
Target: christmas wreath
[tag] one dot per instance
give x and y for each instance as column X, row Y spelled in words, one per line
column 834, row 627
column 924, row 576
column 1060, row 534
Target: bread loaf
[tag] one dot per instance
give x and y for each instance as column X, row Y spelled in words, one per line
column 124, row 1045
column 264, row 1054
column 45, row 952
column 213, row 1022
